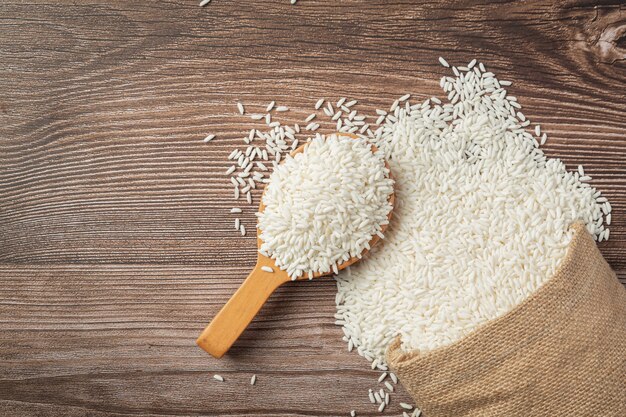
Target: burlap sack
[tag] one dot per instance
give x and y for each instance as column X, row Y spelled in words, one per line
column 562, row 352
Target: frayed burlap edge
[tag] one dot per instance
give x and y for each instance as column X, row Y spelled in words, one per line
column 560, row 352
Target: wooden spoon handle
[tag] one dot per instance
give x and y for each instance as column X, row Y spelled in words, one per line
column 238, row 312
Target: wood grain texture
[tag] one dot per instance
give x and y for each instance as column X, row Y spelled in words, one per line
column 116, row 245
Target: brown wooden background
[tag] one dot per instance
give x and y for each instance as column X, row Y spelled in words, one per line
column 116, row 247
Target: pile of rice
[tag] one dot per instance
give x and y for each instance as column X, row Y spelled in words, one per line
column 481, row 220
column 323, row 205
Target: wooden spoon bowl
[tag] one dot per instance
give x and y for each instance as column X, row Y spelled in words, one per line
column 238, row 312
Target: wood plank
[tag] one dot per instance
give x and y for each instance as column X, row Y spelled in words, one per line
column 120, row 339
column 101, row 131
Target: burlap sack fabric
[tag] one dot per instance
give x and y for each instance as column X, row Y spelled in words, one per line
column 562, row 352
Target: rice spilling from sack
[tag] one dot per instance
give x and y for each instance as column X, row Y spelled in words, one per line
column 480, row 222
column 323, row 205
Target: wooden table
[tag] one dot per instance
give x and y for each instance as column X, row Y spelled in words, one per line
column 116, row 246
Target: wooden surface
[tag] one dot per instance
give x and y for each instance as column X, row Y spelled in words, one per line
column 116, row 246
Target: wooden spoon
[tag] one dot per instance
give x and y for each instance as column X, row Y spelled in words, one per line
column 238, row 312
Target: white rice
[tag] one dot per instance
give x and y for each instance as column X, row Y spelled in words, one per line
column 323, row 206
column 371, row 397
column 482, row 221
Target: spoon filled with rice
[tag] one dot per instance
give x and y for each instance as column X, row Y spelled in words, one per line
column 324, row 207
